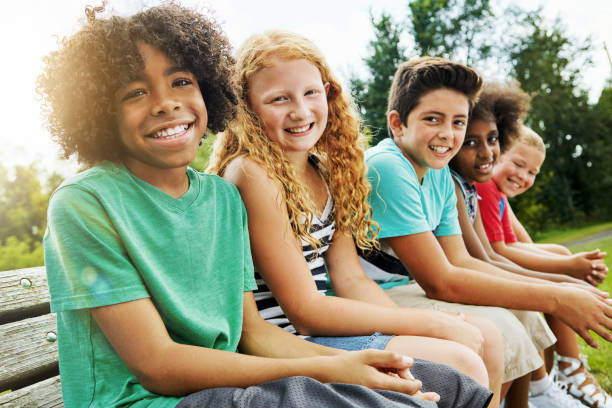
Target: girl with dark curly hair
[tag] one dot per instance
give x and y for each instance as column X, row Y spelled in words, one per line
column 148, row 261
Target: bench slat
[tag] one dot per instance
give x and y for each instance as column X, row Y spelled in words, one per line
column 23, row 300
column 45, row 394
column 26, row 354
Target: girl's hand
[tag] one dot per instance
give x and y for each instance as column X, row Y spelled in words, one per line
column 379, row 369
column 454, row 327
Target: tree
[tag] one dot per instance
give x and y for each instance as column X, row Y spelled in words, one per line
column 548, row 65
column 372, row 93
column 457, row 29
column 461, row 30
column 203, row 156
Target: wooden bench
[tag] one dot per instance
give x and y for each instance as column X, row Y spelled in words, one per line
column 28, row 341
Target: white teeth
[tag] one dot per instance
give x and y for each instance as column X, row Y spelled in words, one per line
column 169, row 132
column 299, row 129
column 440, row 149
column 484, row 166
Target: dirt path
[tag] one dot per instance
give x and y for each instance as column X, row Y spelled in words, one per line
column 601, row 235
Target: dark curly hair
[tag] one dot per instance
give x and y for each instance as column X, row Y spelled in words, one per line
column 415, row 78
column 79, row 81
column 506, row 105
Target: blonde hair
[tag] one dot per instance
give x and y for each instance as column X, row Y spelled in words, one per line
column 530, row 138
column 339, row 148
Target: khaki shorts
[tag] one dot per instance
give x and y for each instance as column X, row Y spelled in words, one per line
column 524, row 333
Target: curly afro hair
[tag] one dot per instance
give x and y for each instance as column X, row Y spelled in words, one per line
column 79, row 81
column 506, row 105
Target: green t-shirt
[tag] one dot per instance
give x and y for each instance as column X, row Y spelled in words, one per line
column 112, row 238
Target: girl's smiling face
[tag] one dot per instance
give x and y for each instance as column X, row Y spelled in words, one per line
column 517, row 169
column 290, row 100
column 479, row 152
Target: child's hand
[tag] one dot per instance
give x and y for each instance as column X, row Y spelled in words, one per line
column 452, row 326
column 589, row 266
column 585, row 286
column 584, row 311
column 377, row 369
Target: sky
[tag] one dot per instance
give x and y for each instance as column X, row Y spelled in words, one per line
column 29, row 29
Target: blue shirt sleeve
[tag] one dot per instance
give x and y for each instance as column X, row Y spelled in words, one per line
column 396, row 196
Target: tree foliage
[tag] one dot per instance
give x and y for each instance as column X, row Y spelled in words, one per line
column 23, row 208
column 575, row 183
column 372, row 93
column 461, row 30
column 549, row 65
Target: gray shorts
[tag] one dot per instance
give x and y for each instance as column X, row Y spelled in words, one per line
column 304, row 392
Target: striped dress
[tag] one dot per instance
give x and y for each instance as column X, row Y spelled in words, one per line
column 323, row 229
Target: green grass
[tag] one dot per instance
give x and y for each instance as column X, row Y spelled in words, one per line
column 572, row 234
column 599, row 360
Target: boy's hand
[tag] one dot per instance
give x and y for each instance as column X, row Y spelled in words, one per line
column 585, row 286
column 377, row 369
column 584, row 311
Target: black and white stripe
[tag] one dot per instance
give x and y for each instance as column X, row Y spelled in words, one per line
column 323, row 229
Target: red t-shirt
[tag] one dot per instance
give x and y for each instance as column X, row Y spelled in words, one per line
column 494, row 206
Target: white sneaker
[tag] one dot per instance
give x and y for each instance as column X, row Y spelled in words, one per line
column 579, row 383
column 554, row 397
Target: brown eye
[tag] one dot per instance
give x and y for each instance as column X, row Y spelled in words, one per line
column 181, row 82
column 133, row 94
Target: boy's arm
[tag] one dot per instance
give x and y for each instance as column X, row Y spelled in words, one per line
column 442, row 280
column 163, row 366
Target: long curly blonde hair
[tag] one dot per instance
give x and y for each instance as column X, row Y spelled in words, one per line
column 339, row 148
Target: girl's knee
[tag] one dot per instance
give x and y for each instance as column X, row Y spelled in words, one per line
column 493, row 347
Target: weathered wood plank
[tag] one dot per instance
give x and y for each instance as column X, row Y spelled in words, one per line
column 24, row 293
column 26, row 352
column 45, row 394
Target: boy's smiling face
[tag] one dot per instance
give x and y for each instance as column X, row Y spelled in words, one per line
column 161, row 116
column 434, row 129
column 479, row 151
column 517, row 169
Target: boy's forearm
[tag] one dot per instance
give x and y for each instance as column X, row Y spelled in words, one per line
column 184, row 369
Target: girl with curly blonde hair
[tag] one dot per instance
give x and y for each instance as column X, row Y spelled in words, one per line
column 294, row 153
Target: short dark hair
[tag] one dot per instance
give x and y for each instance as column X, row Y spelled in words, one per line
column 415, row 78
column 79, row 81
